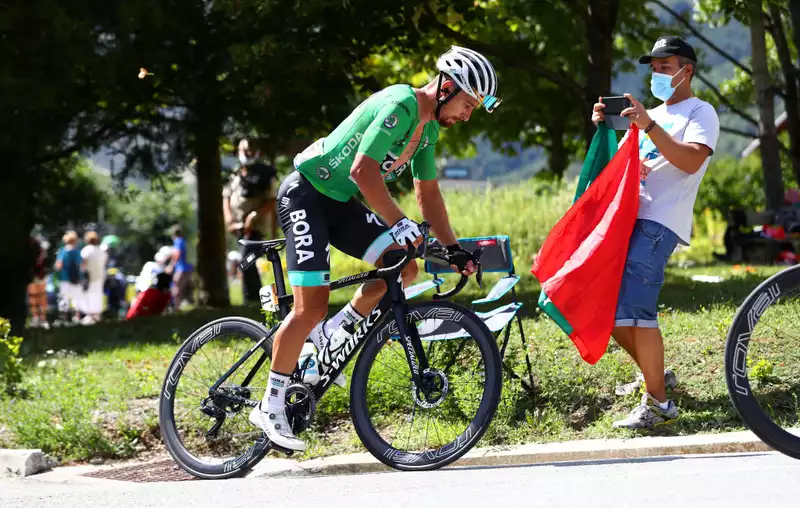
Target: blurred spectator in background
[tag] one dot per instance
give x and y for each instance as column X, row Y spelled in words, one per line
column 248, row 205
column 234, row 258
column 94, row 265
column 68, row 265
column 153, row 268
column 153, row 300
column 116, row 284
column 37, row 295
column 180, row 269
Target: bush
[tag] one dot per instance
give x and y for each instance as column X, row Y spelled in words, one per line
column 10, row 362
column 731, row 182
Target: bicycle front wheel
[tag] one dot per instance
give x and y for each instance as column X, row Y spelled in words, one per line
column 411, row 429
column 762, row 361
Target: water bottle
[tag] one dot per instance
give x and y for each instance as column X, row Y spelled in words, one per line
column 308, row 365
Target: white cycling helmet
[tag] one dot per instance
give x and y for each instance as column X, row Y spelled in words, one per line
column 473, row 73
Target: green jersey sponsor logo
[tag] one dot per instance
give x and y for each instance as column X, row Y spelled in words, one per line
column 323, row 173
column 390, row 121
column 351, row 145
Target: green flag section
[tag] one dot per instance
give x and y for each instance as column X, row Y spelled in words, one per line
column 581, row 263
column 602, row 149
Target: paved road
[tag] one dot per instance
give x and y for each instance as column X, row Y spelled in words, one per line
column 767, row 479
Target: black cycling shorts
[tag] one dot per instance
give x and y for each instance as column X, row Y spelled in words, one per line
column 312, row 221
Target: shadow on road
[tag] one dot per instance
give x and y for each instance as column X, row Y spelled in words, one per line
column 604, row 462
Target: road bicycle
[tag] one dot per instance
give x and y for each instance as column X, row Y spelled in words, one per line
column 424, row 389
column 762, row 361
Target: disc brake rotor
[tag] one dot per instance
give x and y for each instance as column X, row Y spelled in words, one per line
column 435, row 389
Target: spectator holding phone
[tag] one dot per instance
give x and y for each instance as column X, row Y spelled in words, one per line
column 677, row 140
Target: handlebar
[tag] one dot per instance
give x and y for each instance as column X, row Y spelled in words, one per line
column 426, row 250
column 438, row 251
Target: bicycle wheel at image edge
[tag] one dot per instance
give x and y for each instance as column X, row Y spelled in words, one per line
column 176, row 440
column 446, row 315
column 736, row 363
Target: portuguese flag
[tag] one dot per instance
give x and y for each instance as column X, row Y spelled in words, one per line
column 581, row 263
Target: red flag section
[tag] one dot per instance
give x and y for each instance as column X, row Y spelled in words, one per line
column 581, row 263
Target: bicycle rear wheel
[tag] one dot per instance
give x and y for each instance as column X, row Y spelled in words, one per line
column 409, row 430
column 207, row 431
column 762, row 361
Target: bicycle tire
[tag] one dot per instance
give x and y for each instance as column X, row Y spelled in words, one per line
column 440, row 457
column 736, row 375
column 234, row 467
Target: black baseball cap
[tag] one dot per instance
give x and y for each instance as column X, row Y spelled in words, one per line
column 669, row 45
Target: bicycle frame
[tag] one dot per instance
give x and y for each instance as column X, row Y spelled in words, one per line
column 394, row 300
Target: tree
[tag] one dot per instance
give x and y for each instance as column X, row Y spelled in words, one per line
column 761, row 86
column 282, row 71
column 553, row 58
column 740, row 91
column 54, row 76
column 765, row 98
column 777, row 29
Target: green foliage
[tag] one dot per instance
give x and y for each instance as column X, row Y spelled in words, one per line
column 761, row 370
column 81, row 407
column 142, row 218
column 731, row 182
column 10, row 362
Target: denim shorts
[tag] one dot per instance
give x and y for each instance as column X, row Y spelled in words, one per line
column 649, row 249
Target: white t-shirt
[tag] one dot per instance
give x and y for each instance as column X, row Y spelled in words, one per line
column 148, row 275
column 668, row 194
column 95, row 258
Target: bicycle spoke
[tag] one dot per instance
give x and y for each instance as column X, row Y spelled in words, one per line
column 410, row 430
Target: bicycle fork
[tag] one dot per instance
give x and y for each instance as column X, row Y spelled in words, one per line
column 409, row 337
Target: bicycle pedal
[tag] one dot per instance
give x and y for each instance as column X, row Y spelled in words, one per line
column 281, row 449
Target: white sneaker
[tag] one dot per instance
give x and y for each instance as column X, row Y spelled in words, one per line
column 277, row 428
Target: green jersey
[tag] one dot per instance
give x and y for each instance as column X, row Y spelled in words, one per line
column 380, row 128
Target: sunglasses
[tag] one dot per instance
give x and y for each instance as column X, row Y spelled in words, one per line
column 490, row 103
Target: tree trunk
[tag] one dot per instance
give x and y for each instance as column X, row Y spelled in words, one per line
column 794, row 11
column 210, row 223
column 600, row 20
column 765, row 99
column 16, row 225
column 559, row 157
column 790, row 77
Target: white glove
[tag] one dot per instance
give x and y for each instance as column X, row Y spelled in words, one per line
column 405, row 230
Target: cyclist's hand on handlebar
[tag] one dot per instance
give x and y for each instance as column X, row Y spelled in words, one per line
column 462, row 261
column 407, row 231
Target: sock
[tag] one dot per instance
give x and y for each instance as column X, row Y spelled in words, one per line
column 348, row 315
column 275, row 396
column 664, row 405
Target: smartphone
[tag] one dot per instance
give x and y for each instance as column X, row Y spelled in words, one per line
column 615, row 106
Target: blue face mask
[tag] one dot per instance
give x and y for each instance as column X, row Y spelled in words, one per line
column 661, row 85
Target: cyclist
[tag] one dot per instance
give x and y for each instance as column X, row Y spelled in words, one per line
column 391, row 130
